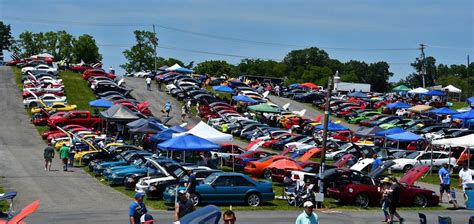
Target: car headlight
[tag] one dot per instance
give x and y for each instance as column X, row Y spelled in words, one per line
column 433, row 193
column 114, row 175
column 152, row 188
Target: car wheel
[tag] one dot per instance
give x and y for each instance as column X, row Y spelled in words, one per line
column 253, row 199
column 406, row 168
column 420, row 200
column 362, row 200
column 196, row 199
column 267, row 174
column 33, row 104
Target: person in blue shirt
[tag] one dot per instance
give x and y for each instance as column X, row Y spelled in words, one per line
column 445, row 182
column 308, row 216
column 376, row 163
column 168, row 108
column 137, row 209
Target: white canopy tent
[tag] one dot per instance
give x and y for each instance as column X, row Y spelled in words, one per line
column 205, row 131
column 453, row 89
column 173, row 68
column 467, row 141
column 418, row 90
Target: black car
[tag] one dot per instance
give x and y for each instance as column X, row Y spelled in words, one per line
column 281, row 144
column 106, row 153
column 308, row 97
column 293, row 92
column 104, row 87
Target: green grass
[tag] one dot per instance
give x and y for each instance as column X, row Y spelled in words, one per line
column 458, row 105
column 3, row 204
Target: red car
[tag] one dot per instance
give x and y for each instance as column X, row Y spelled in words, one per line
column 259, row 168
column 79, row 117
column 62, row 134
column 96, row 72
column 268, row 143
column 350, row 186
column 41, row 118
column 278, row 170
column 80, row 68
column 45, row 134
column 27, row 94
column 343, row 135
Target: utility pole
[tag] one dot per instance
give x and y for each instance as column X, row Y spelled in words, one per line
column 325, row 137
column 155, row 42
column 423, row 66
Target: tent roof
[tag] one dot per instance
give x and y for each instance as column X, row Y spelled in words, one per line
column 404, row 137
column 465, row 115
column 452, row 89
column 224, row 89
column 183, row 70
column 390, row 131
column 137, row 123
column 188, row 142
column 43, row 55
column 401, row 88
column 467, row 140
column 443, row 111
column 203, row 130
column 418, row 90
column 368, row 131
column 420, row 108
column 149, row 127
column 101, row 103
column 435, row 93
column 118, row 112
column 358, row 95
column 173, row 68
column 309, row 85
column 332, row 127
column 265, row 108
column 398, row 105
column 244, row 98
column 470, row 100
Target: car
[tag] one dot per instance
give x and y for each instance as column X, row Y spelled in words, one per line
column 106, row 86
column 122, row 159
column 46, row 99
column 354, row 187
column 78, row 117
column 423, row 158
column 80, row 68
column 58, row 106
column 43, row 68
column 308, row 97
column 96, row 72
column 119, row 174
column 228, row 188
column 259, row 167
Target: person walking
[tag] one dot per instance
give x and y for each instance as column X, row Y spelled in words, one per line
column 386, row 184
column 191, row 184
column 184, row 112
column 445, row 182
column 111, row 70
column 137, row 208
column 308, row 216
column 465, row 177
column 168, row 108
column 64, row 155
column 148, row 83
column 48, row 156
column 183, row 206
column 394, row 195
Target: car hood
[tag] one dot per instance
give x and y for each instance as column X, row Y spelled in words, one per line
column 413, row 175
column 129, row 170
column 106, row 164
column 285, row 164
column 381, row 169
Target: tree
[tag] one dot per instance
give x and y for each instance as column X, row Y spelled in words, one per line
column 431, row 71
column 85, row 48
column 30, row 43
column 216, row 68
column 6, row 39
column 169, row 62
column 141, row 56
column 65, row 48
column 260, row 67
column 305, row 57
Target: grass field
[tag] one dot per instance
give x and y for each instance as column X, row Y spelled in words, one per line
column 459, row 104
column 3, row 204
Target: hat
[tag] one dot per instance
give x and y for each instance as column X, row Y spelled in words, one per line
column 139, row 195
column 181, row 192
column 308, row 204
column 146, row 218
column 386, row 180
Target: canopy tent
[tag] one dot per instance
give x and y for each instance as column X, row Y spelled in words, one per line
column 101, row 103
column 443, row 111
column 167, row 133
column 331, row 127
column 368, row 131
column 465, row 117
column 418, row 90
column 294, row 85
column 452, row 89
column 420, row 108
column 434, row 93
column 398, row 105
column 183, row 70
column 173, row 68
column 401, row 88
column 244, row 98
column 163, row 68
column 404, row 137
column 264, row 108
column 309, row 85
column 390, row 131
column 137, row 123
column 188, row 142
column 358, row 95
column 467, row 141
column 118, row 113
column 203, row 130
column 224, row 89
column 470, row 100
column 148, row 128
column 209, row 214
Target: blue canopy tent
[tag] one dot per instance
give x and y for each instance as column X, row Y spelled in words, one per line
column 398, row 105
column 188, row 142
column 332, row 127
column 390, row 131
column 434, row 93
column 101, row 103
column 244, row 98
column 224, row 89
column 294, row 85
column 464, row 117
column 470, row 100
column 209, row 214
column 443, row 111
column 404, row 137
column 167, row 134
column 358, row 95
column 183, row 70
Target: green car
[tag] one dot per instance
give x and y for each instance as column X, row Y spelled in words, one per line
column 394, row 123
column 363, row 116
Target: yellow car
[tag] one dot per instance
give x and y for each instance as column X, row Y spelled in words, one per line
column 79, row 155
column 59, row 106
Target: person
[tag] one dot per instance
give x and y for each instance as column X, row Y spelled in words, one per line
column 386, row 184
column 137, row 208
column 445, row 182
column 465, row 177
column 277, row 90
column 148, row 83
column 146, row 219
column 48, row 156
column 229, row 217
column 183, row 206
column 394, row 195
column 158, row 82
column 308, row 216
column 454, row 201
column 191, row 184
column 184, row 112
column 72, row 152
column 167, row 108
column 377, row 162
column 64, row 155
column 188, row 105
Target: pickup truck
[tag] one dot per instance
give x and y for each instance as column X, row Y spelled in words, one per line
column 79, row 117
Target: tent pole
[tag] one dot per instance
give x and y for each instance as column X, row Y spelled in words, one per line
column 431, row 162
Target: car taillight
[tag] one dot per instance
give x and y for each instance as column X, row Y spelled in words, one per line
column 296, row 177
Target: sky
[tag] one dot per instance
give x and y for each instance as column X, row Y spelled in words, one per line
column 364, row 30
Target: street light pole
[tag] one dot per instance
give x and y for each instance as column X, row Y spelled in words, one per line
column 320, row 197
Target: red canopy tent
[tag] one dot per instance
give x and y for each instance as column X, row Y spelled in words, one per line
column 309, row 85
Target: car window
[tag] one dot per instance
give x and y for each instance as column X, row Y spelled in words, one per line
column 427, row 156
column 223, row 181
column 240, row 181
column 413, row 155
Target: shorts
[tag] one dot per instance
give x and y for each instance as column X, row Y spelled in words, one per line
column 48, row 160
column 444, row 188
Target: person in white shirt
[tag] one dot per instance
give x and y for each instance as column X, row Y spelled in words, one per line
column 148, row 83
column 465, row 177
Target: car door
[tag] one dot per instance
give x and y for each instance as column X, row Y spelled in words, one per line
column 425, row 159
column 221, row 190
column 240, row 187
column 439, row 159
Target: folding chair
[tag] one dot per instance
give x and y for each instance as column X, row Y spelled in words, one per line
column 444, row 220
column 422, row 218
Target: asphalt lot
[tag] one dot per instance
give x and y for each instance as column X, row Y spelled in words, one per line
column 75, row 197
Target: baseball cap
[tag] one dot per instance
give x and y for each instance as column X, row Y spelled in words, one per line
column 139, row 195
column 308, row 204
column 181, row 192
column 146, row 218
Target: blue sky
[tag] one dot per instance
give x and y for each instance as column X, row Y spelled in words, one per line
column 365, row 30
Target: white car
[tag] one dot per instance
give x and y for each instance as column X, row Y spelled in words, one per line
column 362, row 164
column 141, row 74
column 47, row 99
column 48, row 89
column 45, row 79
column 44, row 68
column 423, row 158
column 342, row 149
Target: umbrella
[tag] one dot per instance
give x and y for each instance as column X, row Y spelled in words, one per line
column 309, row 85
column 265, row 108
column 224, row 89
column 101, row 103
column 444, row 111
column 332, row 127
column 285, row 163
column 244, row 98
column 470, row 100
column 401, row 88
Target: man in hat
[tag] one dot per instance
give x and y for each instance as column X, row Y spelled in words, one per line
column 445, row 182
column 308, row 216
column 137, row 208
column 146, row 219
column 183, row 206
column 386, row 184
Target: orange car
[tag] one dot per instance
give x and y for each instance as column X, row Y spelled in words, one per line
column 258, row 168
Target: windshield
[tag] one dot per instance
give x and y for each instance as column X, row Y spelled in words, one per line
column 398, row 154
column 210, row 179
column 264, row 159
column 410, row 123
column 345, row 146
column 413, row 155
column 394, row 121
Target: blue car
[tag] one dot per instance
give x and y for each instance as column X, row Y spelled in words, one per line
column 228, row 188
column 125, row 159
column 117, row 175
